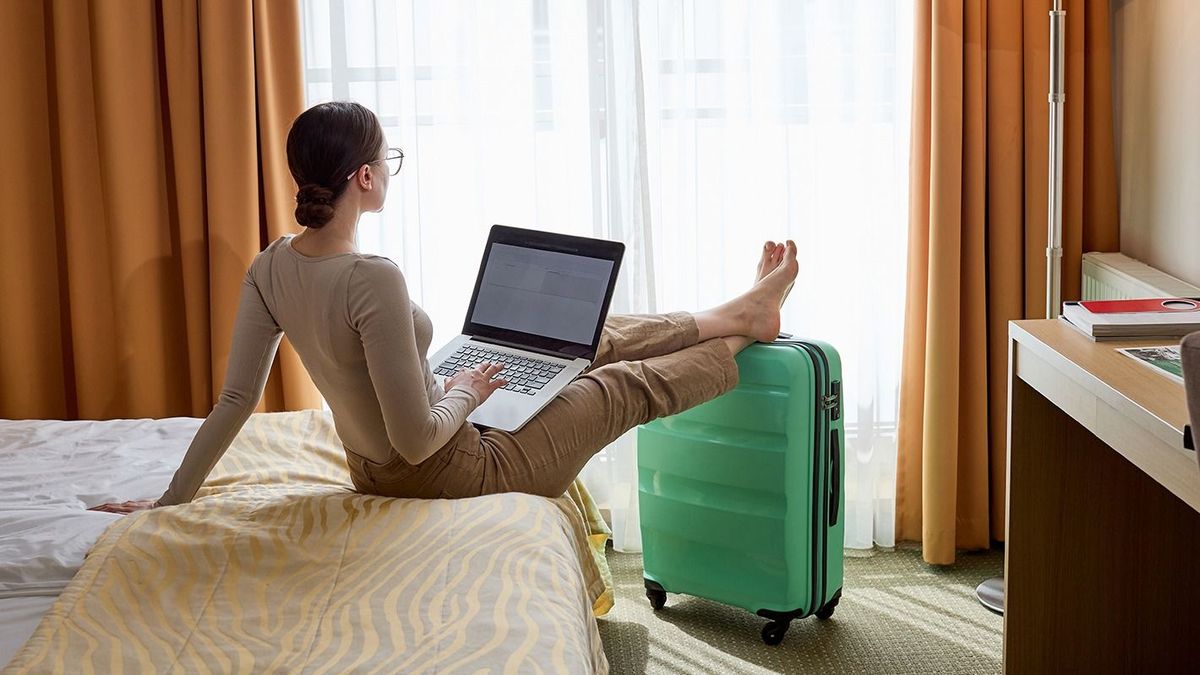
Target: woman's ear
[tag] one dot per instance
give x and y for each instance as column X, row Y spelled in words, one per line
column 364, row 178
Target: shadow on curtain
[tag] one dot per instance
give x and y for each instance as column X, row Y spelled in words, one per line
column 144, row 168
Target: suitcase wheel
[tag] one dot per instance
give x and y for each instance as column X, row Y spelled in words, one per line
column 826, row 610
column 658, row 599
column 773, row 632
column 656, row 594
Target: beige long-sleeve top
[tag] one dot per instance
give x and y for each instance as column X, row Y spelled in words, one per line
column 363, row 342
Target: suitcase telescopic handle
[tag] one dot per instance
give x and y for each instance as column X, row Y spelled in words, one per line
column 835, row 477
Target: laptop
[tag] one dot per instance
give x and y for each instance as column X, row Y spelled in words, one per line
column 538, row 308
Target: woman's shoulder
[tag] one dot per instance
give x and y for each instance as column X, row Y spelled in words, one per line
column 375, row 287
column 377, row 276
column 262, row 259
column 369, row 264
column 272, row 249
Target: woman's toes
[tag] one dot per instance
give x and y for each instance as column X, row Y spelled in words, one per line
column 788, row 265
column 773, row 256
column 767, row 262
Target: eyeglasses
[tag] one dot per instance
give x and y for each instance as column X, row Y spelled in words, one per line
column 394, row 159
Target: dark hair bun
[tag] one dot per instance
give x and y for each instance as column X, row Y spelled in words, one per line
column 327, row 143
column 314, row 205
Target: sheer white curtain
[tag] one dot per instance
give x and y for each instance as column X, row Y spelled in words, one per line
column 691, row 131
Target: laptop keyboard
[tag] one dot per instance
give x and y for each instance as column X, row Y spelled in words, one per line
column 525, row 375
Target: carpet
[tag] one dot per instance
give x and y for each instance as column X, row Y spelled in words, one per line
column 897, row 615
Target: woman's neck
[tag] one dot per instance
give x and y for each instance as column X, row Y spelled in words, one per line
column 339, row 235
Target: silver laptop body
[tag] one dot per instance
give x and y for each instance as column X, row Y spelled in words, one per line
column 539, row 305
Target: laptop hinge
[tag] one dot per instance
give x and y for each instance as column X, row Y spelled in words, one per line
column 526, row 348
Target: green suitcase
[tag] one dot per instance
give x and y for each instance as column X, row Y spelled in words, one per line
column 741, row 497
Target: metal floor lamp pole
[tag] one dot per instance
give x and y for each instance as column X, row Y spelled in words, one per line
column 991, row 592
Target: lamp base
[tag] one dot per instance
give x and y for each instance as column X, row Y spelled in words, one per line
column 991, row 594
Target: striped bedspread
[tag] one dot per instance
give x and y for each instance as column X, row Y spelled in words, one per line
column 278, row 566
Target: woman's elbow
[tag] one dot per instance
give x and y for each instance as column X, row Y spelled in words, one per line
column 412, row 450
column 236, row 399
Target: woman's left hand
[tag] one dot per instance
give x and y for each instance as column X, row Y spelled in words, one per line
column 127, row 507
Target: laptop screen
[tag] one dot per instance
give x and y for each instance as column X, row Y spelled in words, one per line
column 545, row 293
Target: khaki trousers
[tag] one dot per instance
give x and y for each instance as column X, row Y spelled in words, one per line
column 647, row 366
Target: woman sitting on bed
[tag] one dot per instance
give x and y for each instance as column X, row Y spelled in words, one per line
column 364, row 343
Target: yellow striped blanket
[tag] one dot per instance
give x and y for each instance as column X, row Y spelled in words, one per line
column 278, row 566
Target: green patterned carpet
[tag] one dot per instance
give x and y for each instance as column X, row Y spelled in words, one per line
column 897, row 615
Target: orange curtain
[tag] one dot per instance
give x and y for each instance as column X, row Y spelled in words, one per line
column 977, row 238
column 143, row 168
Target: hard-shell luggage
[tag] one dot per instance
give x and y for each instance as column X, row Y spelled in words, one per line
column 741, row 497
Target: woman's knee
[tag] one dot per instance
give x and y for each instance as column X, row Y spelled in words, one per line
column 557, row 488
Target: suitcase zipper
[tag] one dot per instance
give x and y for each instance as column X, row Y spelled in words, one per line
column 827, row 403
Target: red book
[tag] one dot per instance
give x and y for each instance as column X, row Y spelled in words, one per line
column 1159, row 318
column 1141, row 306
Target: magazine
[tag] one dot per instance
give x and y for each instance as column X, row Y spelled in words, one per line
column 1164, row 359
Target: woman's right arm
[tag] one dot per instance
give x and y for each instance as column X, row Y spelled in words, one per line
column 381, row 312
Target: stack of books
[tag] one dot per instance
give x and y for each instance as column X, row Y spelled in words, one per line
column 1146, row 319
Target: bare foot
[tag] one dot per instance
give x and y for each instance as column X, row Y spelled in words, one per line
column 772, row 255
column 760, row 305
column 755, row 313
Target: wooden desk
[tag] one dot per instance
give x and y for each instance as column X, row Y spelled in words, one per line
column 1102, row 560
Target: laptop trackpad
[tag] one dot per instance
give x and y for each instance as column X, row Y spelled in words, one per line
column 503, row 410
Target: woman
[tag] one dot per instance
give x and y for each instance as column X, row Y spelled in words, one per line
column 364, row 343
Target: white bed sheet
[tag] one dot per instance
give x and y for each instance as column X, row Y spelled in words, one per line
column 50, row 473
column 18, row 618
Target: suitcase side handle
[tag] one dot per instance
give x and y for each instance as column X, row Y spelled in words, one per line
column 835, row 477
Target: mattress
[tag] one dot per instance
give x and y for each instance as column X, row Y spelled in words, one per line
column 278, row 564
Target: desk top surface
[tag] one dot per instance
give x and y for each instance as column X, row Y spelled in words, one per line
column 1157, row 394
column 1137, row 412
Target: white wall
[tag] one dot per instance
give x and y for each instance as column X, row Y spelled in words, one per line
column 1156, row 90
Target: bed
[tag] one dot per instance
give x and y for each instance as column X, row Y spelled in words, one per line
column 277, row 565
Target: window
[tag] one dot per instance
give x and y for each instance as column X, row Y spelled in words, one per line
column 692, row 131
